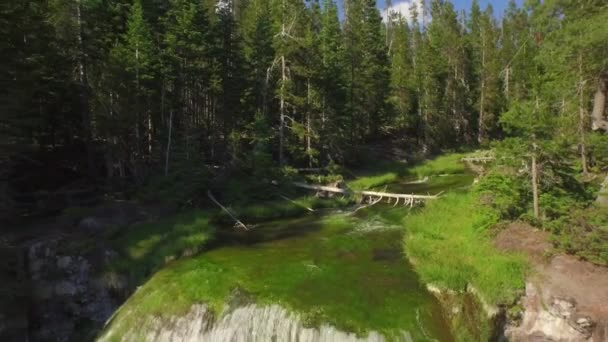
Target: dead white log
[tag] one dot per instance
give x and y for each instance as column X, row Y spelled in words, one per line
column 236, row 220
column 477, row 159
column 419, row 181
column 364, row 193
column 310, row 169
column 322, row 188
column 296, row 203
column 368, row 205
column 393, row 195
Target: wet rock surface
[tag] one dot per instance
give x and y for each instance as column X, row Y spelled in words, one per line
column 54, row 284
column 68, row 294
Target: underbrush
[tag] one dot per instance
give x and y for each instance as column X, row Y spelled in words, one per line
column 449, row 244
column 584, row 232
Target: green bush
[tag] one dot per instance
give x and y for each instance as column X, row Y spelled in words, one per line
column 505, row 193
column 583, row 233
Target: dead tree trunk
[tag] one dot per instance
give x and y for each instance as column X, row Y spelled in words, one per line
column 236, row 220
column 84, row 91
column 481, row 132
column 582, row 116
column 308, row 129
column 534, row 171
column 168, row 151
column 599, row 104
column 282, row 113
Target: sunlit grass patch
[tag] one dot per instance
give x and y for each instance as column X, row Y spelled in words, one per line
column 444, row 164
column 145, row 247
column 383, row 173
column 450, row 247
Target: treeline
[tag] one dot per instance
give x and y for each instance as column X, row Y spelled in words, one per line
column 130, row 89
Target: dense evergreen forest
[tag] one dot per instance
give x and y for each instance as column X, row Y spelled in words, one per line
column 459, row 160
column 124, row 93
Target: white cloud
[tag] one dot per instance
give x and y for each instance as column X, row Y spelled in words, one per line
column 403, row 8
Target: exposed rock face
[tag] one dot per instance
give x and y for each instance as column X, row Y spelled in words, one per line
column 66, row 294
column 558, row 322
column 566, row 298
column 248, row 323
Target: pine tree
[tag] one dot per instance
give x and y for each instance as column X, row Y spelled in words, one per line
column 135, row 61
column 570, row 52
column 485, row 64
column 332, row 84
column 402, row 74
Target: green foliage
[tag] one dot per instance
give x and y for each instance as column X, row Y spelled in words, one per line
column 583, row 233
column 386, row 172
column 598, row 151
column 506, row 193
column 444, row 164
column 185, row 184
column 450, row 247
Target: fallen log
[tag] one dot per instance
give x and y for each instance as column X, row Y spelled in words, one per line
column 296, row 203
column 365, row 193
column 322, row 188
column 236, row 220
column 477, row 159
column 419, row 181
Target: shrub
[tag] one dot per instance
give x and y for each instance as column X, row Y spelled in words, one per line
column 505, row 193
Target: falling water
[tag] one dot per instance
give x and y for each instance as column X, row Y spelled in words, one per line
column 249, row 323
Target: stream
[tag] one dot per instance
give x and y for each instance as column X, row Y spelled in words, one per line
column 329, row 275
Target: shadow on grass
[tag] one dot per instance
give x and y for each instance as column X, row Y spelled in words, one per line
column 145, row 247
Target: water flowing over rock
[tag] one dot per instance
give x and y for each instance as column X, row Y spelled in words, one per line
column 250, row 323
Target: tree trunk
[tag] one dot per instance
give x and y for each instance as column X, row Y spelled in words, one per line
column 534, row 172
column 581, row 115
column 599, row 104
column 168, row 151
column 507, row 75
column 282, row 113
column 481, row 128
column 308, row 130
column 84, row 93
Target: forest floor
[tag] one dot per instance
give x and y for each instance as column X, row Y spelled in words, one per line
column 560, row 277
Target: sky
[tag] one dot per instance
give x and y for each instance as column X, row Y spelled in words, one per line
column 403, row 5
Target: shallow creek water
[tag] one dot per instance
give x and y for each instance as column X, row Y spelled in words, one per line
column 339, row 269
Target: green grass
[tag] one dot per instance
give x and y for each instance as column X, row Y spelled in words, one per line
column 383, row 173
column 373, row 181
column 325, row 274
column 145, row 247
column 445, row 164
column 451, row 248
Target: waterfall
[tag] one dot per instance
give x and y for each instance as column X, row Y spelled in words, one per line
column 250, row 323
